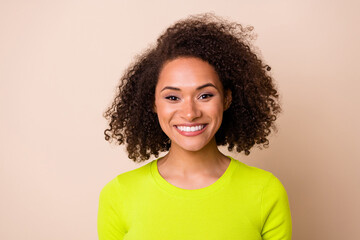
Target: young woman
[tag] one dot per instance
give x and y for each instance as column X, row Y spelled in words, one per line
column 201, row 86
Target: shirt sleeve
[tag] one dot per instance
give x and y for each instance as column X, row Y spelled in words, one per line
column 110, row 224
column 275, row 212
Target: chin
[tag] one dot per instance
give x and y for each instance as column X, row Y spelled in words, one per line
column 192, row 147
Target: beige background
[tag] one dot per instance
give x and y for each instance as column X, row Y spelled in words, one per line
column 60, row 62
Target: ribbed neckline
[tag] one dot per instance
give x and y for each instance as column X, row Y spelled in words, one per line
column 180, row 192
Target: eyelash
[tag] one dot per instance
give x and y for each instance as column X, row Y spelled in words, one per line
column 171, row 98
column 174, row 98
column 208, row 95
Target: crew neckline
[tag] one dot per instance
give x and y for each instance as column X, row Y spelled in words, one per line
column 182, row 192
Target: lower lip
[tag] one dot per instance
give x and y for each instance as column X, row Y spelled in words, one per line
column 190, row 134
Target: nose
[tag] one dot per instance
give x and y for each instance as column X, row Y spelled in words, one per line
column 190, row 110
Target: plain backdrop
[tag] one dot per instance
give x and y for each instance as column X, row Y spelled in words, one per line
column 60, row 63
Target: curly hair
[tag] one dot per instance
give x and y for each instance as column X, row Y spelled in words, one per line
column 224, row 45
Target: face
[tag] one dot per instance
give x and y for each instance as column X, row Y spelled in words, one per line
column 189, row 102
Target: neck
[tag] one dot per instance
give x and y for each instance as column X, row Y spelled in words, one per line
column 186, row 163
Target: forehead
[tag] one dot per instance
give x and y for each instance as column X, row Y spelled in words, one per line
column 187, row 72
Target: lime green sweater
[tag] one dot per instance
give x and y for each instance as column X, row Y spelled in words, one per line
column 245, row 203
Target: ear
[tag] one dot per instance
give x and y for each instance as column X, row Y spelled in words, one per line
column 154, row 110
column 227, row 99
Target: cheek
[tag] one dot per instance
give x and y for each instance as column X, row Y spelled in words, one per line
column 216, row 113
column 164, row 113
column 215, row 110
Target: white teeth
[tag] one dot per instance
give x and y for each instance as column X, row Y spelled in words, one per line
column 190, row 129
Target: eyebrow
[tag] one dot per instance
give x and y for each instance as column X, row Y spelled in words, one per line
column 198, row 88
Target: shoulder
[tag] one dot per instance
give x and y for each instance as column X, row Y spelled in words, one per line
column 126, row 181
column 256, row 183
column 253, row 175
column 256, row 178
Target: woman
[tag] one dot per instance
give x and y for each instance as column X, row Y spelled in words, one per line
column 201, row 86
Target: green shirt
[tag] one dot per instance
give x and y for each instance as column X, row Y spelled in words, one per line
column 245, row 203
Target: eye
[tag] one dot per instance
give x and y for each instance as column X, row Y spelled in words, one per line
column 205, row 96
column 172, row 98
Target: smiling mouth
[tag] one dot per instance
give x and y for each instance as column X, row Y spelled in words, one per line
column 191, row 128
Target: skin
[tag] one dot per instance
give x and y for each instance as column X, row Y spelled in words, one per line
column 189, row 93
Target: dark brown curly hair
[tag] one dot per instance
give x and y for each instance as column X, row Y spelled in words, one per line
column 224, row 45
